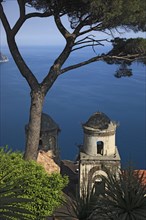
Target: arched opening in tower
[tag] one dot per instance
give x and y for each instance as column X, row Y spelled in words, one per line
column 40, row 144
column 99, row 186
column 100, row 146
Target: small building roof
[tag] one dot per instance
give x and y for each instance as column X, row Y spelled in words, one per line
column 98, row 121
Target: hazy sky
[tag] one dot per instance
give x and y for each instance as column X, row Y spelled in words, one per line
column 37, row 31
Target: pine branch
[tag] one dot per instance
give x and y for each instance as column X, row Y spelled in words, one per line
column 95, row 28
column 60, row 27
column 97, row 58
column 103, row 58
column 88, row 45
column 37, row 14
column 90, row 38
column 4, row 20
column 21, row 4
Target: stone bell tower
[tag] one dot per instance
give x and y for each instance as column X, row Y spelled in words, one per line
column 48, row 135
column 98, row 153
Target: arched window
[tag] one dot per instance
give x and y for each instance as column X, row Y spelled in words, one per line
column 100, row 145
column 99, row 186
column 40, row 144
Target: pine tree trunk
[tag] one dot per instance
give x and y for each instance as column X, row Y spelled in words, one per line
column 33, row 131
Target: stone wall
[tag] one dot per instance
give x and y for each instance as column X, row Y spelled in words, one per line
column 46, row 159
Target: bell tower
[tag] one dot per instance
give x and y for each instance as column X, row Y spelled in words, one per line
column 99, row 152
column 48, row 136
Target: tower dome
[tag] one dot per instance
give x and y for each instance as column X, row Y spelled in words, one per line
column 99, row 135
column 48, row 134
column 47, row 123
column 98, row 121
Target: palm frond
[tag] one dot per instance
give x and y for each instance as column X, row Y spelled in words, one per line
column 125, row 195
column 11, row 202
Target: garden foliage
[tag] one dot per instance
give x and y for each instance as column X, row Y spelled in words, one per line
column 29, row 187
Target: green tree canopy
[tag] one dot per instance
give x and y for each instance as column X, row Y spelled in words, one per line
column 125, row 46
column 105, row 14
column 132, row 47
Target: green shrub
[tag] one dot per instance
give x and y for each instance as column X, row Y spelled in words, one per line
column 45, row 191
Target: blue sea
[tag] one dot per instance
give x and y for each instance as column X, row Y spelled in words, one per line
column 75, row 96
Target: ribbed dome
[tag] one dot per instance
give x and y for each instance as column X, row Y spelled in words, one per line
column 47, row 123
column 98, row 121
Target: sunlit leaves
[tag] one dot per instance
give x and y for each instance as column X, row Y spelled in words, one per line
column 44, row 191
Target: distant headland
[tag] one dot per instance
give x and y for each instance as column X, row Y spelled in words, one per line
column 3, row 58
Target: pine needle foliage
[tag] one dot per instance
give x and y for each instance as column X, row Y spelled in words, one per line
column 129, row 46
column 107, row 13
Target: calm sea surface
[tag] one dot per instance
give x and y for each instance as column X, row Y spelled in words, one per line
column 75, row 96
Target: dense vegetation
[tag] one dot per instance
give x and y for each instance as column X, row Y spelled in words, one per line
column 106, row 14
column 26, row 188
column 129, row 46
